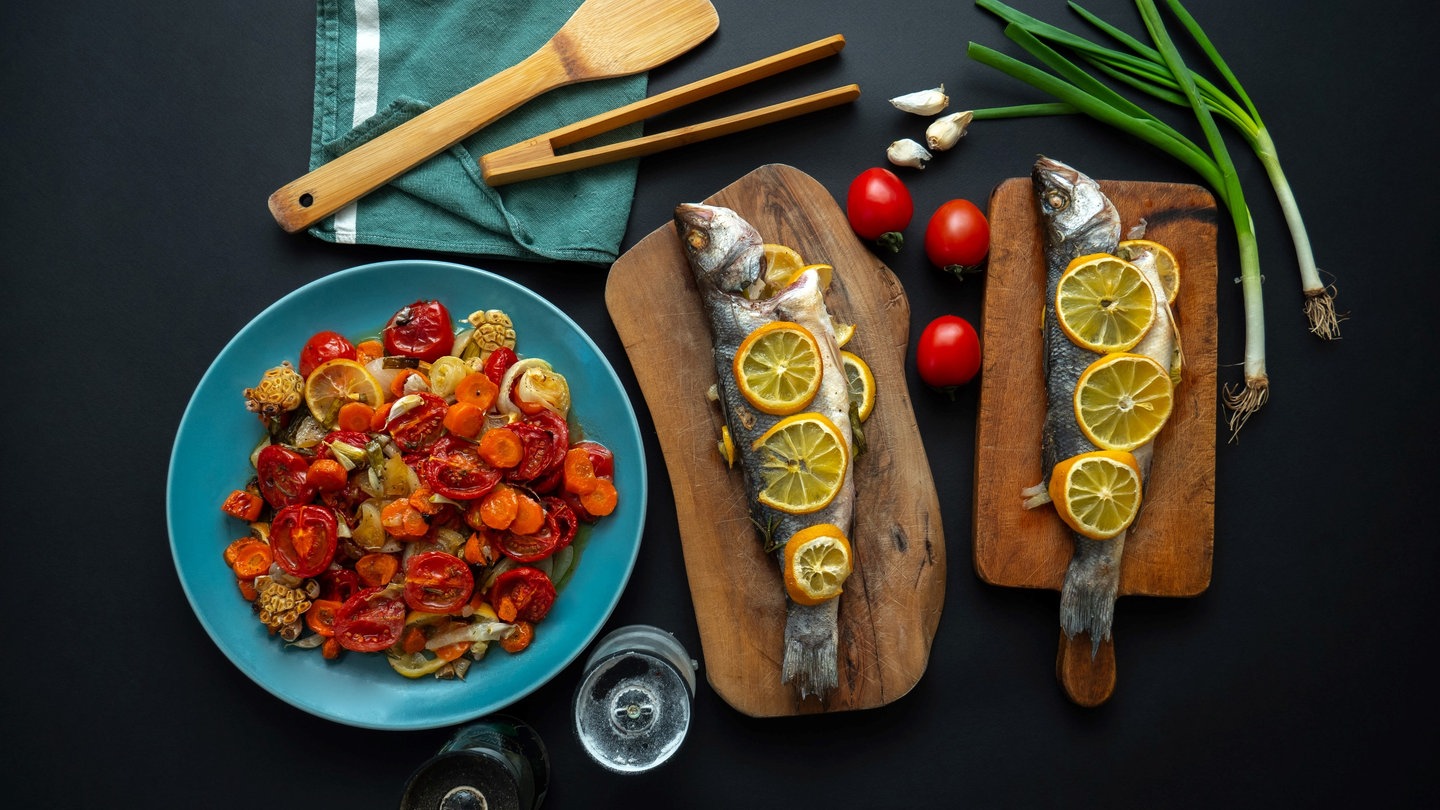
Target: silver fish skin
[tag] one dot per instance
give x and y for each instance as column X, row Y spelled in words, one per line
column 726, row 255
column 1078, row 220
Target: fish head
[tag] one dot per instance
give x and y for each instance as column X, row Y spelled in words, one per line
column 1071, row 204
column 723, row 249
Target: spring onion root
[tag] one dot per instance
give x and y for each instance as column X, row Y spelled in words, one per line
column 1160, row 72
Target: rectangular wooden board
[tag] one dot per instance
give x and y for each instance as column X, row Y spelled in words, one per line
column 891, row 605
column 1171, row 545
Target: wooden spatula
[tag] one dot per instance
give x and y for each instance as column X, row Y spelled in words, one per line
column 603, row 39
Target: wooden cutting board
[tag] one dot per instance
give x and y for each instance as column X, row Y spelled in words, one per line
column 891, row 604
column 1169, row 548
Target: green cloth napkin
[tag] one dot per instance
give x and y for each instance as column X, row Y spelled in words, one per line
column 379, row 63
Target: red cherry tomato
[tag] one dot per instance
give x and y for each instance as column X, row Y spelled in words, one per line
column 281, row 472
column 522, row 593
column 498, row 363
column 338, row 583
column 948, row 353
column 957, row 237
column 437, row 582
column 879, row 207
column 421, row 426
column 370, row 621
column 600, row 458
column 304, row 539
column 323, row 347
column 422, row 330
column 456, row 470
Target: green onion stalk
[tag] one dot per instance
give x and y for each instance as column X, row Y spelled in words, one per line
column 1163, row 74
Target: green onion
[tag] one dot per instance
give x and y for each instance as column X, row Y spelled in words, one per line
column 1161, row 73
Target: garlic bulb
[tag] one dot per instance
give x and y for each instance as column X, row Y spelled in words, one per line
column 906, row 152
column 944, row 132
column 924, row 102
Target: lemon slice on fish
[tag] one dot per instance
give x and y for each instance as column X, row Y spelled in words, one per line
column 1097, row 494
column 801, row 463
column 817, row 562
column 778, row 367
column 843, row 331
column 861, row 382
column 781, row 265
column 334, row 383
column 1166, row 265
column 1122, row 400
column 1104, row 303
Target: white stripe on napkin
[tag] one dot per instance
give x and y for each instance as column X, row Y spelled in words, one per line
column 367, row 91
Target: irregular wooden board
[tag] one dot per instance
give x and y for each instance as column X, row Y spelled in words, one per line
column 1170, row 547
column 891, row 605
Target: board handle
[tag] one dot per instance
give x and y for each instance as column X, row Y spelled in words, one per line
column 1087, row 679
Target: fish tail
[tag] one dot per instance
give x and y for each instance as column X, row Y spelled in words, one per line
column 811, row 648
column 1087, row 598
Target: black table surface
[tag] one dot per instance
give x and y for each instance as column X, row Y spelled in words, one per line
column 140, row 144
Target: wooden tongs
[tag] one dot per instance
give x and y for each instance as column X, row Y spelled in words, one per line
column 537, row 156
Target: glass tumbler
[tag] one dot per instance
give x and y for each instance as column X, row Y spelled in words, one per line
column 632, row 707
column 497, row 763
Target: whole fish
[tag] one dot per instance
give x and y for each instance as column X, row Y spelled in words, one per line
column 727, row 257
column 1079, row 219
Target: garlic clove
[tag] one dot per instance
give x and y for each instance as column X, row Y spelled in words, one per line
column 923, row 102
column 946, row 131
column 906, row 152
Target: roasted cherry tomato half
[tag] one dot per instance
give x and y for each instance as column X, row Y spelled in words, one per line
column 370, row 621
column 323, row 347
column 948, row 353
column 456, row 470
column 304, row 539
column 498, row 363
column 419, row 427
column 281, row 473
column 957, row 237
column 422, row 330
column 879, row 207
column 437, row 582
column 523, row 593
column 338, row 584
column 545, row 437
column 600, row 458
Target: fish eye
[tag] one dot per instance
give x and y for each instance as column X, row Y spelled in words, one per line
column 1057, row 200
column 696, row 238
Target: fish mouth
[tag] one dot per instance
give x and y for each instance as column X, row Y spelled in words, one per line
column 1052, row 173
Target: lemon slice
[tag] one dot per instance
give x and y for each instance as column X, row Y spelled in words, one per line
column 1097, row 494
column 336, row 382
column 1167, row 266
column 817, row 563
column 778, row 367
column 824, row 271
column 1122, row 400
column 802, row 463
column 843, row 332
column 781, row 265
column 861, row 382
column 726, row 446
column 1104, row 303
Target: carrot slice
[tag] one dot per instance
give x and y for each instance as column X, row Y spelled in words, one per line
column 600, row 501
column 376, row 569
column 520, row 639
column 397, row 385
column 354, row 416
column 579, row 471
column 413, row 640
column 465, row 419
column 499, row 506
column 501, row 448
column 243, row 504
column 401, row 519
column 367, row 350
column 529, row 515
column 252, row 558
column 478, row 390
column 327, row 475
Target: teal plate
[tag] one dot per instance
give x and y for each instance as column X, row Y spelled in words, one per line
column 211, row 458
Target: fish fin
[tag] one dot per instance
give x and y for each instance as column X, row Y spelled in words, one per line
column 811, row 648
column 1092, row 581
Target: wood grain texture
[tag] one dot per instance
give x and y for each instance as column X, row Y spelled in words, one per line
column 1170, row 547
column 892, row 603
